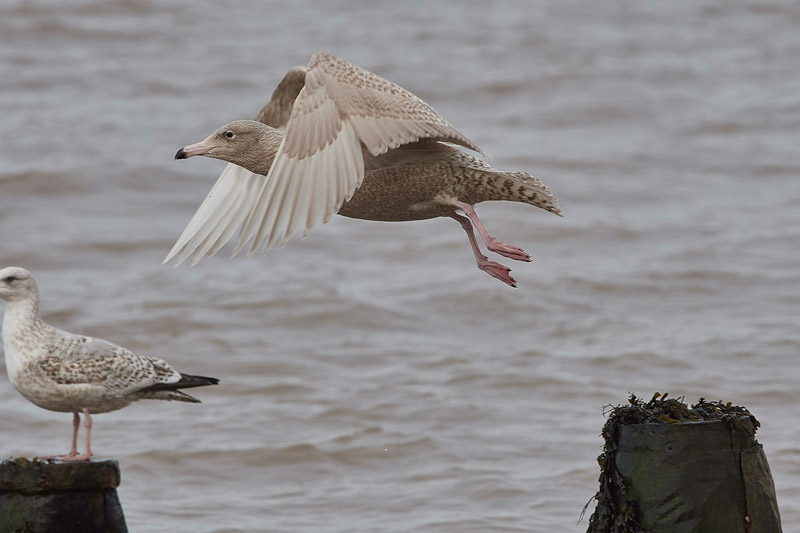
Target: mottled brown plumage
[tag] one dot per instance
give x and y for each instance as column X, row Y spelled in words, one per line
column 355, row 144
column 64, row 372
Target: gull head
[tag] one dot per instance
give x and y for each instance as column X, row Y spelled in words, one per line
column 17, row 284
column 246, row 143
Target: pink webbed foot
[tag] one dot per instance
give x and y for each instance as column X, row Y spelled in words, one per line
column 492, row 244
column 507, row 250
column 68, row 457
column 496, row 270
column 64, row 457
column 71, row 456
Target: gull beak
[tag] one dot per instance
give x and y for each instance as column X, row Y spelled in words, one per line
column 200, row 148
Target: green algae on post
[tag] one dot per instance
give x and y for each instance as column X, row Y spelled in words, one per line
column 669, row 467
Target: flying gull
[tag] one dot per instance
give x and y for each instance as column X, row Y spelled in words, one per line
column 354, row 144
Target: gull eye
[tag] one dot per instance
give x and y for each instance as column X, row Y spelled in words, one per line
column 10, row 279
column 229, row 134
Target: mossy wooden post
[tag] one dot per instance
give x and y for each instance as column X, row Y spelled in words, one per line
column 667, row 468
column 54, row 497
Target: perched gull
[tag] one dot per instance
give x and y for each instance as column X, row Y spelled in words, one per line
column 71, row 373
column 354, row 144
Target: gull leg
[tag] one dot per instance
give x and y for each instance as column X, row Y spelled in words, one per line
column 76, row 426
column 73, row 452
column 88, row 418
column 496, row 270
column 88, row 454
column 491, row 243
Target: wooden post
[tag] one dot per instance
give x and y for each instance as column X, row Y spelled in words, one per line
column 668, row 468
column 55, row 497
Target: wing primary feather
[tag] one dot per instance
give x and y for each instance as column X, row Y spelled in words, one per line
column 358, row 158
column 235, row 205
column 227, row 226
column 292, row 193
column 346, row 170
column 302, row 201
column 344, row 165
column 199, row 218
column 271, row 205
column 316, row 200
column 203, row 247
column 214, row 213
column 274, row 221
column 248, row 199
column 257, row 213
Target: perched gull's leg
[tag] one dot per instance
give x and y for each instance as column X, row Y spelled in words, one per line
column 73, row 455
column 73, row 451
column 88, row 418
column 76, row 426
column 496, row 270
column 491, row 243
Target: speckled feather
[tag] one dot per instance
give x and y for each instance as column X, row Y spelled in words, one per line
column 62, row 371
column 77, row 359
column 355, row 144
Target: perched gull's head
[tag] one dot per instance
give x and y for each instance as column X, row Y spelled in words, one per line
column 246, row 143
column 16, row 284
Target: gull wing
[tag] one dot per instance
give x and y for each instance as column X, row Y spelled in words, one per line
column 89, row 361
column 277, row 111
column 223, row 211
column 319, row 163
column 233, row 196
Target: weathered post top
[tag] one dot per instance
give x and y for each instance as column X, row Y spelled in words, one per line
column 667, row 467
column 40, row 476
column 60, row 497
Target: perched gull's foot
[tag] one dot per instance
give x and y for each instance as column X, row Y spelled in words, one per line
column 65, row 457
column 69, row 457
column 507, row 250
column 496, row 270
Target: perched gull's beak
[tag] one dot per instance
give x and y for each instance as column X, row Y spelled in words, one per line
column 193, row 149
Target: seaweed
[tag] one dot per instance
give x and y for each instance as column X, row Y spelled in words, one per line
column 607, row 517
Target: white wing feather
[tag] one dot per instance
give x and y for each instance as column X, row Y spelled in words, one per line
column 222, row 212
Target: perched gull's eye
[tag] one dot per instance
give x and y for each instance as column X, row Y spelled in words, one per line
column 229, row 134
column 10, row 279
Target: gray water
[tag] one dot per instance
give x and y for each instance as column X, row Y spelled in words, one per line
column 372, row 378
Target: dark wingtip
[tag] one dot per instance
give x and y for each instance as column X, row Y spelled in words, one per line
column 197, row 381
column 187, row 381
column 180, row 154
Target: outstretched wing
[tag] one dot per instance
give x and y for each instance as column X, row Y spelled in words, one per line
column 223, row 211
column 319, row 164
column 233, row 196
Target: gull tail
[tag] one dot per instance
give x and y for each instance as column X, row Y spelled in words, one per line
column 169, row 391
column 521, row 187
